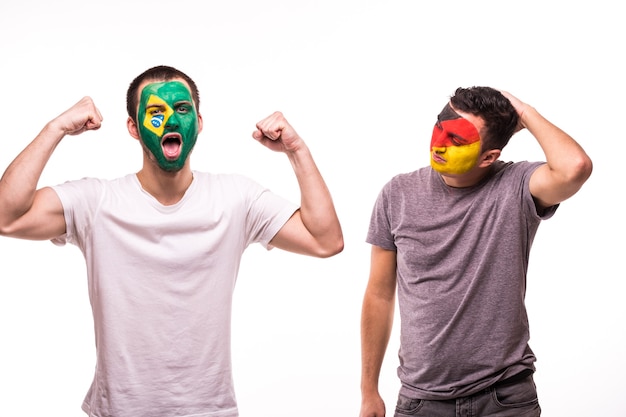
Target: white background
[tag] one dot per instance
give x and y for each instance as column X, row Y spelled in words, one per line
column 362, row 81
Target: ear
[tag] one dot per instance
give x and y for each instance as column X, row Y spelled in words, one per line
column 132, row 128
column 200, row 123
column 489, row 157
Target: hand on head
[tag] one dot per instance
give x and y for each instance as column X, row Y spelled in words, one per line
column 519, row 107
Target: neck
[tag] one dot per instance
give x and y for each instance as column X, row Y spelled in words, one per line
column 167, row 187
column 468, row 179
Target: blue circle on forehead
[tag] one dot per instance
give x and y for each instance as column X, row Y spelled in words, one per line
column 157, row 120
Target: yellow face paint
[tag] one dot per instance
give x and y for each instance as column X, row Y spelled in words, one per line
column 455, row 145
column 157, row 114
column 455, row 159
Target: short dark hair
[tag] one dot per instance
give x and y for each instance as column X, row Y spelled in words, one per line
column 494, row 108
column 158, row 73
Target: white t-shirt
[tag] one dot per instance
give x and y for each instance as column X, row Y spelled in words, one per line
column 161, row 280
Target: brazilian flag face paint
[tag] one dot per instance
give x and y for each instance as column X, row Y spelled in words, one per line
column 168, row 123
column 455, row 145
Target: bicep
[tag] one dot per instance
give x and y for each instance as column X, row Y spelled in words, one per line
column 550, row 187
column 295, row 237
column 43, row 221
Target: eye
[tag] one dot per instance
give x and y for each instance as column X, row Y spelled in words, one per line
column 182, row 109
column 457, row 141
column 154, row 111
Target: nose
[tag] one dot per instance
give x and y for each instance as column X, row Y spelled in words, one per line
column 172, row 121
column 439, row 149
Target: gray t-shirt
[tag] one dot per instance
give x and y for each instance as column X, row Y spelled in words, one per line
column 462, row 259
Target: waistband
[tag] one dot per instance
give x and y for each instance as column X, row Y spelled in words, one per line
column 515, row 378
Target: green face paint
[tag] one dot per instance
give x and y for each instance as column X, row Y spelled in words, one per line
column 168, row 123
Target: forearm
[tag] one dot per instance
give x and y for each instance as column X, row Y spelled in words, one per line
column 563, row 153
column 567, row 165
column 19, row 182
column 376, row 325
column 317, row 209
column 565, row 158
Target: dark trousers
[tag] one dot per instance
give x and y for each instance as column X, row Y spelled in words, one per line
column 513, row 399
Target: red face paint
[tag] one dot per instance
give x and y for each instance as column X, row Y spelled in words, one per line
column 455, row 145
column 453, row 130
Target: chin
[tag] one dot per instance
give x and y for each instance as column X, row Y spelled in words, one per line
column 172, row 169
column 440, row 168
column 451, row 173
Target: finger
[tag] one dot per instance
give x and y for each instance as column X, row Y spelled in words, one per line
column 257, row 134
column 94, row 122
column 273, row 134
column 93, row 125
column 271, row 130
column 264, row 124
column 272, row 126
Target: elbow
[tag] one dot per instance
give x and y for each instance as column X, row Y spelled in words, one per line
column 575, row 176
column 5, row 228
column 9, row 229
column 588, row 167
column 331, row 249
column 582, row 169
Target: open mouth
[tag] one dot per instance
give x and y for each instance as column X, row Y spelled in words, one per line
column 171, row 143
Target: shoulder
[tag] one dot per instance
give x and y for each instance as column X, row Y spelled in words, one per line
column 90, row 190
column 408, row 178
column 519, row 166
column 413, row 182
column 85, row 184
column 521, row 170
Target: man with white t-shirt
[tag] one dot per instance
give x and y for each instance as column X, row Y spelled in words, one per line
column 163, row 246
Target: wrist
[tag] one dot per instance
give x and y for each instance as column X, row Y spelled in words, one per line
column 369, row 388
column 54, row 129
column 526, row 114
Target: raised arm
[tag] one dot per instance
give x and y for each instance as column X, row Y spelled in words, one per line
column 28, row 212
column 376, row 324
column 314, row 229
column 568, row 165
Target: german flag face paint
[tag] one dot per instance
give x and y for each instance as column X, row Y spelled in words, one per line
column 455, row 145
column 168, row 123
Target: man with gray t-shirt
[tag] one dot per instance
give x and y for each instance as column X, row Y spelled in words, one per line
column 453, row 239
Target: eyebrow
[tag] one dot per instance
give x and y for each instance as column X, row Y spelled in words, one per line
column 176, row 104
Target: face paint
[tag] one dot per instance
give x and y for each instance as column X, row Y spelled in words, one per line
column 455, row 145
column 168, row 123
